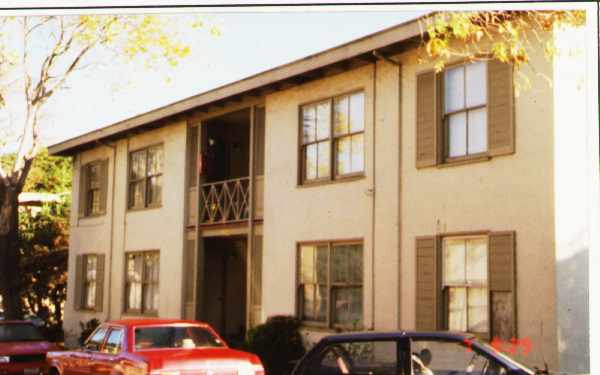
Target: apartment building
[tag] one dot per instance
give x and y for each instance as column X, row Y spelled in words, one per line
column 357, row 189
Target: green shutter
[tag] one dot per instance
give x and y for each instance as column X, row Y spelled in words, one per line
column 428, row 303
column 103, row 185
column 82, row 191
column 502, row 284
column 500, row 112
column 428, row 115
column 78, row 280
column 99, row 282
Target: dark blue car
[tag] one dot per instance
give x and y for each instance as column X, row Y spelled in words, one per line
column 406, row 353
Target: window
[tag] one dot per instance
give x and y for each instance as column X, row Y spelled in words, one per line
column 95, row 341
column 113, row 342
column 167, row 337
column 93, row 184
column 145, row 177
column 331, row 270
column 465, row 113
column 354, row 357
column 93, row 189
column 465, row 109
column 336, row 124
column 465, row 284
column 430, row 356
column 90, row 264
column 89, row 282
column 141, row 289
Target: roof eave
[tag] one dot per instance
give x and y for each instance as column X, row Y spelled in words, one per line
column 365, row 45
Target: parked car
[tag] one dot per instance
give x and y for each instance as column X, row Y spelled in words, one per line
column 154, row 346
column 22, row 348
column 404, row 353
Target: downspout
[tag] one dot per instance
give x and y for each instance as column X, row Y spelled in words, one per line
column 373, row 194
column 112, row 223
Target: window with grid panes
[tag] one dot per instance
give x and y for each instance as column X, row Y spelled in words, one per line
column 465, row 114
column 142, row 277
column 93, row 206
column 90, row 264
column 332, row 138
column 145, row 177
column 330, row 284
column 465, row 284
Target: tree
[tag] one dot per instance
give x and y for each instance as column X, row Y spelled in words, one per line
column 38, row 56
column 508, row 36
column 43, row 241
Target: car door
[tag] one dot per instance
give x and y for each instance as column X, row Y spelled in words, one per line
column 356, row 357
column 435, row 356
column 80, row 360
column 108, row 357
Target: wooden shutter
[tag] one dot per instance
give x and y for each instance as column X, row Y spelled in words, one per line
column 428, row 119
column 103, row 185
column 500, row 113
column 428, row 309
column 99, row 282
column 502, row 284
column 82, row 190
column 78, row 280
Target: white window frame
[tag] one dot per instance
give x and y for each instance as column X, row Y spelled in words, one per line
column 465, row 109
column 467, row 284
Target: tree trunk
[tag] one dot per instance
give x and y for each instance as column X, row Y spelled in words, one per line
column 10, row 256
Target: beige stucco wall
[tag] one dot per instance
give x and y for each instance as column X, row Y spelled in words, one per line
column 387, row 208
column 336, row 211
column 512, row 192
column 87, row 236
column 152, row 229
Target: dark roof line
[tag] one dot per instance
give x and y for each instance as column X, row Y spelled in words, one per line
column 365, row 44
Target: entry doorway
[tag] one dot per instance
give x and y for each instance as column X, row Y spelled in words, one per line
column 225, row 287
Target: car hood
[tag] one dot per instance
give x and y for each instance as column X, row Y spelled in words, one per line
column 25, row 347
column 199, row 358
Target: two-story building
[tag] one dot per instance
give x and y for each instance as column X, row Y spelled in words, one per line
column 356, row 189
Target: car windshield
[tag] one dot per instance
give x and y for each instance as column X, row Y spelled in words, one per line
column 19, row 332
column 186, row 337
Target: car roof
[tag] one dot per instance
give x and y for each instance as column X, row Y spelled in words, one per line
column 152, row 322
column 392, row 335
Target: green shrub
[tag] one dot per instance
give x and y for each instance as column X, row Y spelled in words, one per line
column 278, row 343
column 87, row 328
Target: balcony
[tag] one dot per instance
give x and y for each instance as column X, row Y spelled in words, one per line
column 225, row 201
column 221, row 194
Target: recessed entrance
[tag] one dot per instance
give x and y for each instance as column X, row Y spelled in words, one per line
column 225, row 286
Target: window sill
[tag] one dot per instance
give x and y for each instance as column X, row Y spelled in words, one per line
column 137, row 209
column 316, row 327
column 87, row 310
column 92, row 216
column 338, row 180
column 464, row 160
column 131, row 313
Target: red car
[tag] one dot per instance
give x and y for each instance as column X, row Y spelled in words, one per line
column 22, row 348
column 154, row 346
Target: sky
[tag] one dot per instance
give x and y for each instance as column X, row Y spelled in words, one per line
column 249, row 42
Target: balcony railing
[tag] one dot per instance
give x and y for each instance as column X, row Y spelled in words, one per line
column 224, row 201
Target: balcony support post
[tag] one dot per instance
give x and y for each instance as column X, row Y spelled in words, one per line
column 199, row 261
column 250, row 242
